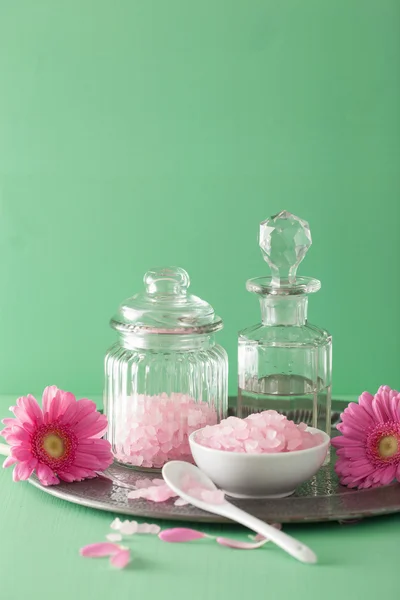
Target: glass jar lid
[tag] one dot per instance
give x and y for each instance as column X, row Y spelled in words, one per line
column 165, row 307
column 284, row 241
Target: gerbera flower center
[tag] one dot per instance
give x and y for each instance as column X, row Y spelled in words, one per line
column 388, row 446
column 383, row 444
column 53, row 445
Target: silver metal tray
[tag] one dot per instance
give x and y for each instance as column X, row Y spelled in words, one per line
column 320, row 499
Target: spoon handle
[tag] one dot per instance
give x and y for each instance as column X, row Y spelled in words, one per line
column 292, row 546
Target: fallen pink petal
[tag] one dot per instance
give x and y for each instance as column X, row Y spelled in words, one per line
column 121, row 559
column 99, row 550
column 180, row 534
column 155, row 493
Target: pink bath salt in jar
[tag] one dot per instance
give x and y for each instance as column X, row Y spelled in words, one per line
column 165, row 377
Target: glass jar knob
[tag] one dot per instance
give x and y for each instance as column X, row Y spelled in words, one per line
column 168, row 281
column 284, row 241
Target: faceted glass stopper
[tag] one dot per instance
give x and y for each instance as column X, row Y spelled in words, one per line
column 284, row 241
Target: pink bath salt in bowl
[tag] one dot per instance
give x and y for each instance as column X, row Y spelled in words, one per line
column 267, row 432
column 262, row 456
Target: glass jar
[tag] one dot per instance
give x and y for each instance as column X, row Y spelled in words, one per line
column 165, row 377
column 285, row 364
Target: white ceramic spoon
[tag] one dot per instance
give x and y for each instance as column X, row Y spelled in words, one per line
column 173, row 473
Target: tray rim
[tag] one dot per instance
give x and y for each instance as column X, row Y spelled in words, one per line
column 204, row 517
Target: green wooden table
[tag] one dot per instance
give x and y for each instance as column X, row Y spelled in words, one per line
column 40, row 537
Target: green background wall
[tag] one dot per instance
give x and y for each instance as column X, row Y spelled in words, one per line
column 137, row 133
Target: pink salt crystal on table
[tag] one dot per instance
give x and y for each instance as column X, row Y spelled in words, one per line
column 260, row 433
column 151, row 430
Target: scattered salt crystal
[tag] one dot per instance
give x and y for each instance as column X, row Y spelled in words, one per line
column 128, row 527
column 116, row 524
column 180, row 502
column 265, row 432
column 148, row 528
column 144, row 483
column 161, row 492
column 114, row 537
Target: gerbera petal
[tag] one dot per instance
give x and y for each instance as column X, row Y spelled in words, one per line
column 30, row 406
column 29, row 427
column 352, row 452
column 384, row 399
column 365, row 400
column 85, row 407
column 21, row 433
column 81, row 473
column 94, row 443
column 357, row 421
column 67, row 476
column 91, row 425
column 21, row 453
column 18, row 435
column 77, row 411
column 87, row 461
column 376, row 476
column 67, row 399
column 24, row 470
column 6, row 432
column 99, row 550
column 22, row 415
column 60, row 404
column 395, row 407
column 350, row 432
column 70, row 413
column 46, row 475
column 388, row 475
column 379, row 410
column 398, row 472
column 10, row 460
column 361, row 470
column 53, row 411
column 14, row 440
column 48, row 396
column 121, row 559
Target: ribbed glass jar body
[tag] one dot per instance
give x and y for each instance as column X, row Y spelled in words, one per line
column 159, row 389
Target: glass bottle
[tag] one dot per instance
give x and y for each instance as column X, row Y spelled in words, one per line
column 284, row 362
column 165, row 376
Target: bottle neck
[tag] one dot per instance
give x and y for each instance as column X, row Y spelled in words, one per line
column 284, row 310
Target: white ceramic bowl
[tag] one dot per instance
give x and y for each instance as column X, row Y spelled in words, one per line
column 243, row 475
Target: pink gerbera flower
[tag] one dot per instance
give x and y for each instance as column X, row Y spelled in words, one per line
column 369, row 448
column 59, row 441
